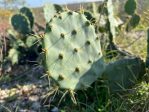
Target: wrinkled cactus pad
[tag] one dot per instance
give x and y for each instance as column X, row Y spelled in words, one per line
column 124, row 73
column 73, row 56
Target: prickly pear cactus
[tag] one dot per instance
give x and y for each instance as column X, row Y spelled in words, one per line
column 20, row 23
column 134, row 21
column 28, row 13
column 124, row 73
column 73, row 56
column 130, row 7
column 134, row 18
column 50, row 10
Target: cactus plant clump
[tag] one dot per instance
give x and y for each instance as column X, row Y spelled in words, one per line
column 73, row 56
column 22, row 45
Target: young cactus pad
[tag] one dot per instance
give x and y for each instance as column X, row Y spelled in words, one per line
column 73, row 56
column 20, row 23
column 130, row 7
column 28, row 13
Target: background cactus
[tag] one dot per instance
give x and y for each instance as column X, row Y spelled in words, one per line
column 131, row 10
column 133, row 22
column 28, row 13
column 73, row 56
column 130, row 7
column 21, row 24
column 20, row 41
column 124, row 73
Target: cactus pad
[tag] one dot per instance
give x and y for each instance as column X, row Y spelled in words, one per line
column 130, row 7
column 28, row 13
column 20, row 23
column 73, row 56
column 124, row 73
column 134, row 21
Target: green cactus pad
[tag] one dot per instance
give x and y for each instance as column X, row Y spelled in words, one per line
column 20, row 23
column 73, row 56
column 130, row 7
column 134, row 21
column 124, row 73
column 28, row 13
